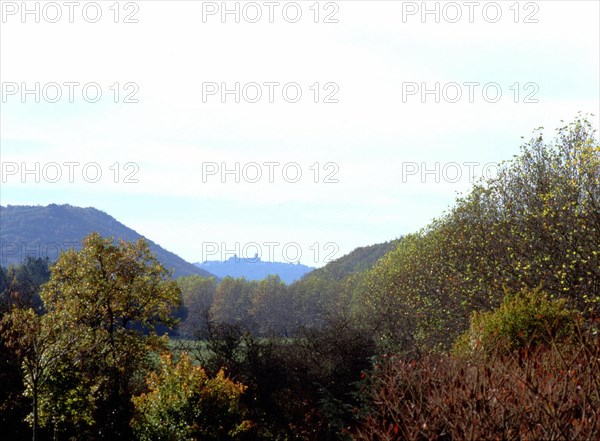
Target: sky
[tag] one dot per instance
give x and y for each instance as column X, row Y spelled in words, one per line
column 295, row 130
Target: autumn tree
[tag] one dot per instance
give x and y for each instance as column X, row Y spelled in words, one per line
column 184, row 403
column 232, row 301
column 113, row 296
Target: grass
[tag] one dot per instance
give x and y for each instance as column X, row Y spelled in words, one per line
column 196, row 348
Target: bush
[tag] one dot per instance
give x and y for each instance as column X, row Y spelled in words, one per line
column 526, row 318
column 550, row 391
column 184, row 403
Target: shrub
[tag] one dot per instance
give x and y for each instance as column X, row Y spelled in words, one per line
column 549, row 391
column 183, row 403
column 528, row 317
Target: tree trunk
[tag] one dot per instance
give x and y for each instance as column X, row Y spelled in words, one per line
column 35, row 413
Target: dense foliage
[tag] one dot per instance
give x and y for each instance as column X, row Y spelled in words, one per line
column 184, row 403
column 524, row 319
column 82, row 358
column 547, row 392
column 536, row 224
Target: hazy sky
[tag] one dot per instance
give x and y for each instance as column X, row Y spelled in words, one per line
column 366, row 141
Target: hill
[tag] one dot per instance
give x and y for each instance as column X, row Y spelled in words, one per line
column 359, row 260
column 255, row 269
column 40, row 231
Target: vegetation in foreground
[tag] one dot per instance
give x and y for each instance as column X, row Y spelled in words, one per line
column 484, row 325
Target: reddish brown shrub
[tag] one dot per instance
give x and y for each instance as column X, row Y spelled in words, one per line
column 549, row 392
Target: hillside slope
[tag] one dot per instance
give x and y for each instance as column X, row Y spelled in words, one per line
column 40, row 231
column 358, row 260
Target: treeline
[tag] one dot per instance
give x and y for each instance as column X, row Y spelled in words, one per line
column 524, row 244
column 266, row 308
column 269, row 307
column 484, row 325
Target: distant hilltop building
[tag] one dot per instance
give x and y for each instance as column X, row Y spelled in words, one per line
column 252, row 268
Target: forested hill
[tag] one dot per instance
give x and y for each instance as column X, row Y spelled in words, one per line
column 41, row 231
column 358, row 260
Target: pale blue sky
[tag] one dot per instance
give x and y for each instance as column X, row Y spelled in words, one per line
column 369, row 134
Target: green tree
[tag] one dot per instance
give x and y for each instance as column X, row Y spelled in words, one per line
column 20, row 284
column 40, row 342
column 232, row 301
column 19, row 288
column 535, row 224
column 21, row 331
column 312, row 299
column 113, row 296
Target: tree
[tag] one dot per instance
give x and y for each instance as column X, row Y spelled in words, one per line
column 183, row 403
column 40, row 343
column 19, row 288
column 197, row 294
column 524, row 319
column 113, row 295
column 232, row 301
column 312, row 299
column 535, row 224
column 271, row 306
column 20, row 285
